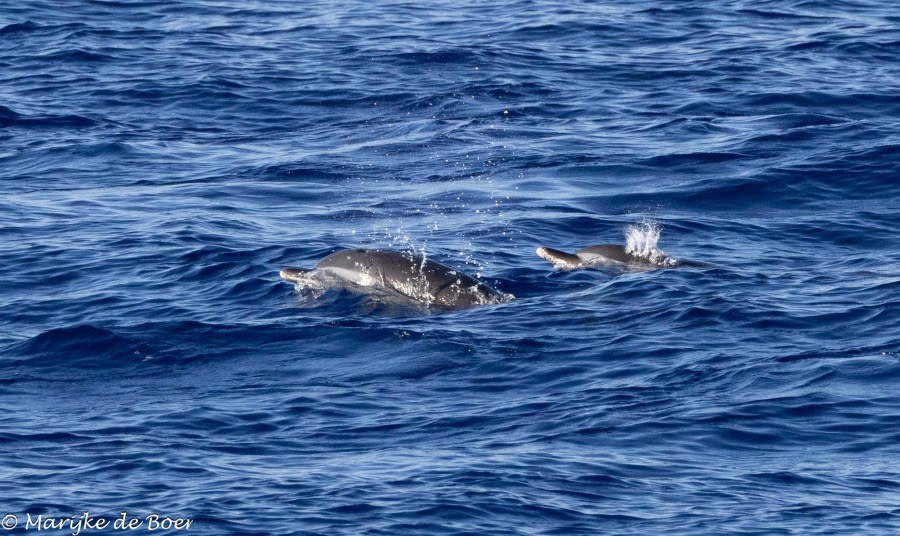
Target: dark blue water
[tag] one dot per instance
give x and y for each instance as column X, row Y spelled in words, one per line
column 160, row 161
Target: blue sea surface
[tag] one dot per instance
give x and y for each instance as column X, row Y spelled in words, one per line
column 160, row 161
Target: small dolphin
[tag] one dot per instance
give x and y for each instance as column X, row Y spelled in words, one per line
column 610, row 255
column 412, row 276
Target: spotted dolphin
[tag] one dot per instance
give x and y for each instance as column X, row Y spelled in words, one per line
column 412, row 276
column 611, row 255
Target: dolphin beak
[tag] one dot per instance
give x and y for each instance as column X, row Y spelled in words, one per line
column 559, row 259
column 293, row 274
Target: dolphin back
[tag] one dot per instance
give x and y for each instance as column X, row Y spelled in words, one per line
column 607, row 251
column 411, row 275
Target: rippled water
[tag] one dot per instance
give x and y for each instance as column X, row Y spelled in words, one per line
column 160, row 161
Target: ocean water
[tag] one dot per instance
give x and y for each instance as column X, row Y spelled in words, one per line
column 161, row 161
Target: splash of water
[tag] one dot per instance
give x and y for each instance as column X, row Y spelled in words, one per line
column 641, row 239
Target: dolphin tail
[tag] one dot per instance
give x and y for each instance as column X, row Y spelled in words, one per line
column 560, row 259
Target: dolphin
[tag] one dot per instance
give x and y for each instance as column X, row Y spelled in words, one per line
column 371, row 271
column 610, row 255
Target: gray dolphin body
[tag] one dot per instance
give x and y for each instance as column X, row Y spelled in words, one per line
column 609, row 254
column 412, row 276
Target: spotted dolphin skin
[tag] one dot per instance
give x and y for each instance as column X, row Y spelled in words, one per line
column 412, row 276
column 610, row 255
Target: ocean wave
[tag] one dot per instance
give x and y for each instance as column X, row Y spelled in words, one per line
column 161, row 162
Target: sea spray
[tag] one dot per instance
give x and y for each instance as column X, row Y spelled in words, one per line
column 641, row 239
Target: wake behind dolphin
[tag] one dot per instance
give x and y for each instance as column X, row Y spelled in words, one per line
column 411, row 276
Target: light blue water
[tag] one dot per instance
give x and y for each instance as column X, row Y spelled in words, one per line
column 160, row 161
